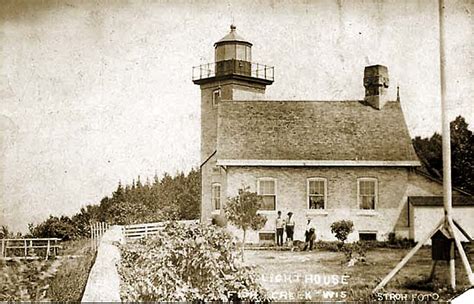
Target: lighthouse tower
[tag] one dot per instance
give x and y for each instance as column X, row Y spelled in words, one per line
column 233, row 76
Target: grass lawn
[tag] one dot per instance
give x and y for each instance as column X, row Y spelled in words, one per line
column 70, row 281
column 320, row 275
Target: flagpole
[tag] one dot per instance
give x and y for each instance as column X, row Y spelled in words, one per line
column 446, row 144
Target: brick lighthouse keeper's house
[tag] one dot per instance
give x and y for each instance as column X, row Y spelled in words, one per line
column 324, row 160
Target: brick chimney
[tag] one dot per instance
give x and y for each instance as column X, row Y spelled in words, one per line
column 376, row 85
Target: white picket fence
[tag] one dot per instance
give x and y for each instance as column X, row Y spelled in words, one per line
column 97, row 231
column 138, row 231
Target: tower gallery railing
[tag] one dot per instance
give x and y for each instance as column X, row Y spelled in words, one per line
column 235, row 67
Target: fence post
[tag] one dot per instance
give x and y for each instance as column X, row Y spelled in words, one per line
column 47, row 249
column 3, row 247
column 26, row 248
column 146, row 231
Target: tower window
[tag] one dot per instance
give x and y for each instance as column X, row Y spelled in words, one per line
column 216, row 196
column 216, row 97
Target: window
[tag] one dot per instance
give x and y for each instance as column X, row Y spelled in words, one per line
column 216, row 196
column 317, row 193
column 266, row 237
column 367, row 236
column 216, row 97
column 267, row 189
column 367, row 193
column 240, row 49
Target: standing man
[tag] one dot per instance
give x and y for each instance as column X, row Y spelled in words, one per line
column 310, row 236
column 290, row 229
column 279, row 229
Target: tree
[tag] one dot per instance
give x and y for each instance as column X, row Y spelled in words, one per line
column 241, row 211
column 4, row 232
column 429, row 150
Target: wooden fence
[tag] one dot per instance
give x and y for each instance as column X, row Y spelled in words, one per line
column 138, row 231
column 29, row 248
column 97, row 231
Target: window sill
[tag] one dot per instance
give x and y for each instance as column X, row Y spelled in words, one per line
column 266, row 212
column 367, row 212
column 216, row 212
column 321, row 212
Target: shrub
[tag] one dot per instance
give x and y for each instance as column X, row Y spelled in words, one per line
column 342, row 229
column 26, row 280
column 58, row 227
column 329, row 246
column 219, row 220
column 187, row 263
column 355, row 252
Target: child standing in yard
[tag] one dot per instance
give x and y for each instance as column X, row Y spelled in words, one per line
column 290, row 229
column 279, row 229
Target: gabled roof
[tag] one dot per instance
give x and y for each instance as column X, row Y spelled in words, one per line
column 437, row 201
column 313, row 130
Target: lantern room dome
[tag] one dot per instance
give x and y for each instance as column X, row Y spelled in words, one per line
column 232, row 37
column 233, row 47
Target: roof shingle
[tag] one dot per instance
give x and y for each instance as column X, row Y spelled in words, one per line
column 312, row 130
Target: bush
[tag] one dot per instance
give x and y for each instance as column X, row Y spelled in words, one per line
column 342, row 229
column 355, row 252
column 187, row 263
column 329, row 246
column 57, row 227
column 26, row 280
column 219, row 220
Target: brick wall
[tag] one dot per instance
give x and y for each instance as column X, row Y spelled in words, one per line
column 391, row 212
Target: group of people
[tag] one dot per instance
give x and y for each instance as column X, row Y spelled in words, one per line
column 288, row 225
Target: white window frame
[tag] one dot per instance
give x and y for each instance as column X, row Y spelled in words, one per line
column 376, row 192
column 276, row 192
column 216, row 97
column 319, row 179
column 213, row 198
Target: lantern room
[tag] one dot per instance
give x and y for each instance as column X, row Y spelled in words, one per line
column 233, row 47
column 233, row 59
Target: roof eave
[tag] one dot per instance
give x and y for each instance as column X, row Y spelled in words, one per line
column 315, row 163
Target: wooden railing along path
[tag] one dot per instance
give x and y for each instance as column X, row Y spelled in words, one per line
column 138, row 231
column 29, row 248
column 97, row 231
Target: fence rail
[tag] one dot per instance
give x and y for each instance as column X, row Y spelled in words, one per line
column 138, row 231
column 97, row 231
column 29, row 248
column 236, row 67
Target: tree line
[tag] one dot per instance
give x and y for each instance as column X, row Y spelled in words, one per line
column 169, row 198
column 429, row 151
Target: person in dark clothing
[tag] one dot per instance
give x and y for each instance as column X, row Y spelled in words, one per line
column 310, row 236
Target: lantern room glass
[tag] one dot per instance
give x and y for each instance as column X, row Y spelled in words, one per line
column 233, row 51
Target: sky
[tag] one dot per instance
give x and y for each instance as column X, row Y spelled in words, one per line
column 93, row 92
